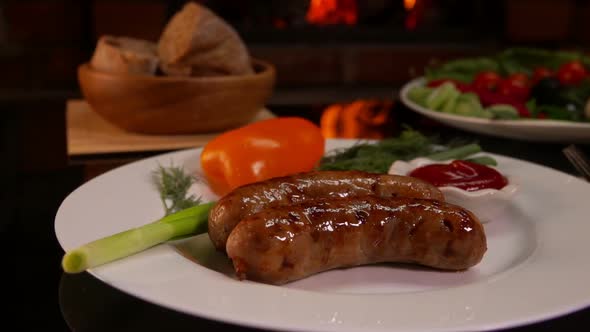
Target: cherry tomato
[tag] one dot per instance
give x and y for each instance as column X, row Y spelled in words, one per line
column 487, row 80
column 523, row 111
column 571, row 73
column 540, row 73
column 259, row 151
column 520, row 78
column 516, row 86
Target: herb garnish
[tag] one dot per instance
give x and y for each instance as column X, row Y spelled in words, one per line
column 377, row 157
column 173, row 184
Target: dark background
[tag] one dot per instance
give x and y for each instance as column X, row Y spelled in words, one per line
column 42, row 42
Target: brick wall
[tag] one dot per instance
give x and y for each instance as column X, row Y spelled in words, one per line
column 371, row 65
column 43, row 41
column 113, row 17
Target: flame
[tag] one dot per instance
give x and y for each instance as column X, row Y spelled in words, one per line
column 409, row 4
column 359, row 119
column 324, row 12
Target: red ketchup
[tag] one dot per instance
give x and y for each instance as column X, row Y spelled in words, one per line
column 461, row 174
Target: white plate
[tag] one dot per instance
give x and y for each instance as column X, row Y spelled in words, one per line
column 536, row 266
column 527, row 130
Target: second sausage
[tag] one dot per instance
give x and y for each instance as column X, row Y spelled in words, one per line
column 249, row 199
column 288, row 243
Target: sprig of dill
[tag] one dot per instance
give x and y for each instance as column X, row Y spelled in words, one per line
column 173, row 184
column 377, row 157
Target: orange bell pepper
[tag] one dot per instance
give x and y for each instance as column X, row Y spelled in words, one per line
column 262, row 150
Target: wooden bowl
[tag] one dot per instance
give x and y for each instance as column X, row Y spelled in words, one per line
column 177, row 105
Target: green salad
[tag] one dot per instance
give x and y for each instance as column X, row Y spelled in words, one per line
column 518, row 83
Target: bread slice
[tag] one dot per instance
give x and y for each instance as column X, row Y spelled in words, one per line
column 124, row 55
column 197, row 42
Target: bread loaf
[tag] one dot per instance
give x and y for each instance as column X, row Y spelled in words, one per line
column 124, row 55
column 176, row 70
column 196, row 42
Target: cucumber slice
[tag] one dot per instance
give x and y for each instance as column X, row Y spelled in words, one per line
column 439, row 96
column 468, row 104
column 451, row 102
column 502, row 111
column 419, row 94
column 472, row 98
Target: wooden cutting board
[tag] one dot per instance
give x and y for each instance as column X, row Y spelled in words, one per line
column 88, row 133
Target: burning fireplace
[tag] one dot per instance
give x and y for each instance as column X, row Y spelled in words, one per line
column 382, row 14
column 329, row 51
column 326, row 12
column 324, row 50
column 367, row 119
column 429, row 19
column 349, row 57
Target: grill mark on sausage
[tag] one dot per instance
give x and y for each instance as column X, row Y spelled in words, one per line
column 286, row 264
column 314, row 213
column 416, row 227
column 361, row 216
column 448, row 225
column 374, row 186
column 294, row 217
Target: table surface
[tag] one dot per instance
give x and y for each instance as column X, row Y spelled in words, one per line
column 45, row 297
column 89, row 134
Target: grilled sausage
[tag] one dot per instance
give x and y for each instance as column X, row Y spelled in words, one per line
column 252, row 198
column 287, row 243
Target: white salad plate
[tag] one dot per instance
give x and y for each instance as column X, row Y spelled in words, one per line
column 536, row 266
column 540, row 130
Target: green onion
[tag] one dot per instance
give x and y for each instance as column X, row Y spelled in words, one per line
column 191, row 221
column 456, row 153
column 484, row 160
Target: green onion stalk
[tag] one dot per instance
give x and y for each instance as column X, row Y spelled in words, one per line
column 187, row 222
column 456, row 153
column 463, row 152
